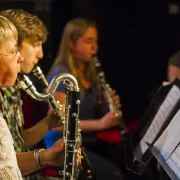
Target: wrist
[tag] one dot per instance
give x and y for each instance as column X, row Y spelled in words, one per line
column 40, row 158
column 100, row 124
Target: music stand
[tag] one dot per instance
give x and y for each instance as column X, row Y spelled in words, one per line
column 138, row 147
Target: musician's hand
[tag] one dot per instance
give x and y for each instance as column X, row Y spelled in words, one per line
column 116, row 99
column 52, row 120
column 55, row 154
column 109, row 120
column 79, row 159
column 59, row 128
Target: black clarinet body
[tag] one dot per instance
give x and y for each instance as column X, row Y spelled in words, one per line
column 106, row 88
column 71, row 133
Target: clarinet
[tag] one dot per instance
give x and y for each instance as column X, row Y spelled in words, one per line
column 56, row 105
column 71, row 133
column 107, row 93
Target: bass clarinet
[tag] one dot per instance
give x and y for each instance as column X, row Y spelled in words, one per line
column 71, row 133
column 107, row 93
column 57, row 107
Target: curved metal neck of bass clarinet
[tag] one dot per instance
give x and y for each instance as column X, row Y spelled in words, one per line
column 27, row 85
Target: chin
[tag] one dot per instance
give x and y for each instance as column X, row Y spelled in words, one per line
column 88, row 59
column 26, row 71
column 10, row 83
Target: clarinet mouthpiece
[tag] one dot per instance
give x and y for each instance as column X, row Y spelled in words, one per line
column 20, row 77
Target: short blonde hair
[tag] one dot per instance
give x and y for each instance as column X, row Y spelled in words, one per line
column 29, row 26
column 7, row 30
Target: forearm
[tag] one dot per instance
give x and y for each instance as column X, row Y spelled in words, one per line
column 26, row 161
column 90, row 125
column 33, row 135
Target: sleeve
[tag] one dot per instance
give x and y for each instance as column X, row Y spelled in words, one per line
column 9, row 169
column 51, row 137
column 61, row 87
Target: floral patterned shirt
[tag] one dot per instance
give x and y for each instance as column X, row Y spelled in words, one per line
column 8, row 163
column 11, row 111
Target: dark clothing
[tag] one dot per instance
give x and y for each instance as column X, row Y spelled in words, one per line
column 103, row 169
column 89, row 98
column 90, row 109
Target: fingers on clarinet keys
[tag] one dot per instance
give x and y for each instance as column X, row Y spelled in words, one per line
column 80, row 157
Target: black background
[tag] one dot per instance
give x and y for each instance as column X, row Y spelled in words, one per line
column 132, row 41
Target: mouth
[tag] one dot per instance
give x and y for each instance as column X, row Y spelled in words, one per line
column 35, row 63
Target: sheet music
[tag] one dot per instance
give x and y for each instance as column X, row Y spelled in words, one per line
column 174, row 161
column 167, row 106
column 170, row 138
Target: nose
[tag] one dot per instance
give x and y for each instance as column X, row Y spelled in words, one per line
column 39, row 54
column 20, row 58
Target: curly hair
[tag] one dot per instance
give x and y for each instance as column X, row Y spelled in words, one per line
column 29, row 26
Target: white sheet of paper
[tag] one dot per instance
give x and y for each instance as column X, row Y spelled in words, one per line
column 160, row 118
column 170, row 138
column 174, row 161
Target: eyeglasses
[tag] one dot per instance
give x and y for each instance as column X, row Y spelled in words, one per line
column 13, row 53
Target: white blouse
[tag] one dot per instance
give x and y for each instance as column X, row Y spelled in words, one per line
column 9, row 169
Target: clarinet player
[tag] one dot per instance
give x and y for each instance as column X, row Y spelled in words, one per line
column 9, row 67
column 32, row 34
column 77, row 47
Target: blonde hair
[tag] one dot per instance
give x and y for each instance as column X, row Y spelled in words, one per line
column 73, row 30
column 29, row 26
column 7, row 31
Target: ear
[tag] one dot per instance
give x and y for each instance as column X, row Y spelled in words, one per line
column 71, row 45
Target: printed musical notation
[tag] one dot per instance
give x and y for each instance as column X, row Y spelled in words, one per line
column 160, row 118
column 170, row 138
column 174, row 161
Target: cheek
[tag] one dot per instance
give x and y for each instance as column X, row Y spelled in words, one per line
column 26, row 63
column 11, row 75
column 83, row 50
column 15, row 69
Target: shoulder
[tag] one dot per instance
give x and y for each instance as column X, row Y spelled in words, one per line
column 60, row 69
column 56, row 71
column 9, row 92
column 4, row 132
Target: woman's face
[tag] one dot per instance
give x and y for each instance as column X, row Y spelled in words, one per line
column 10, row 60
column 86, row 46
